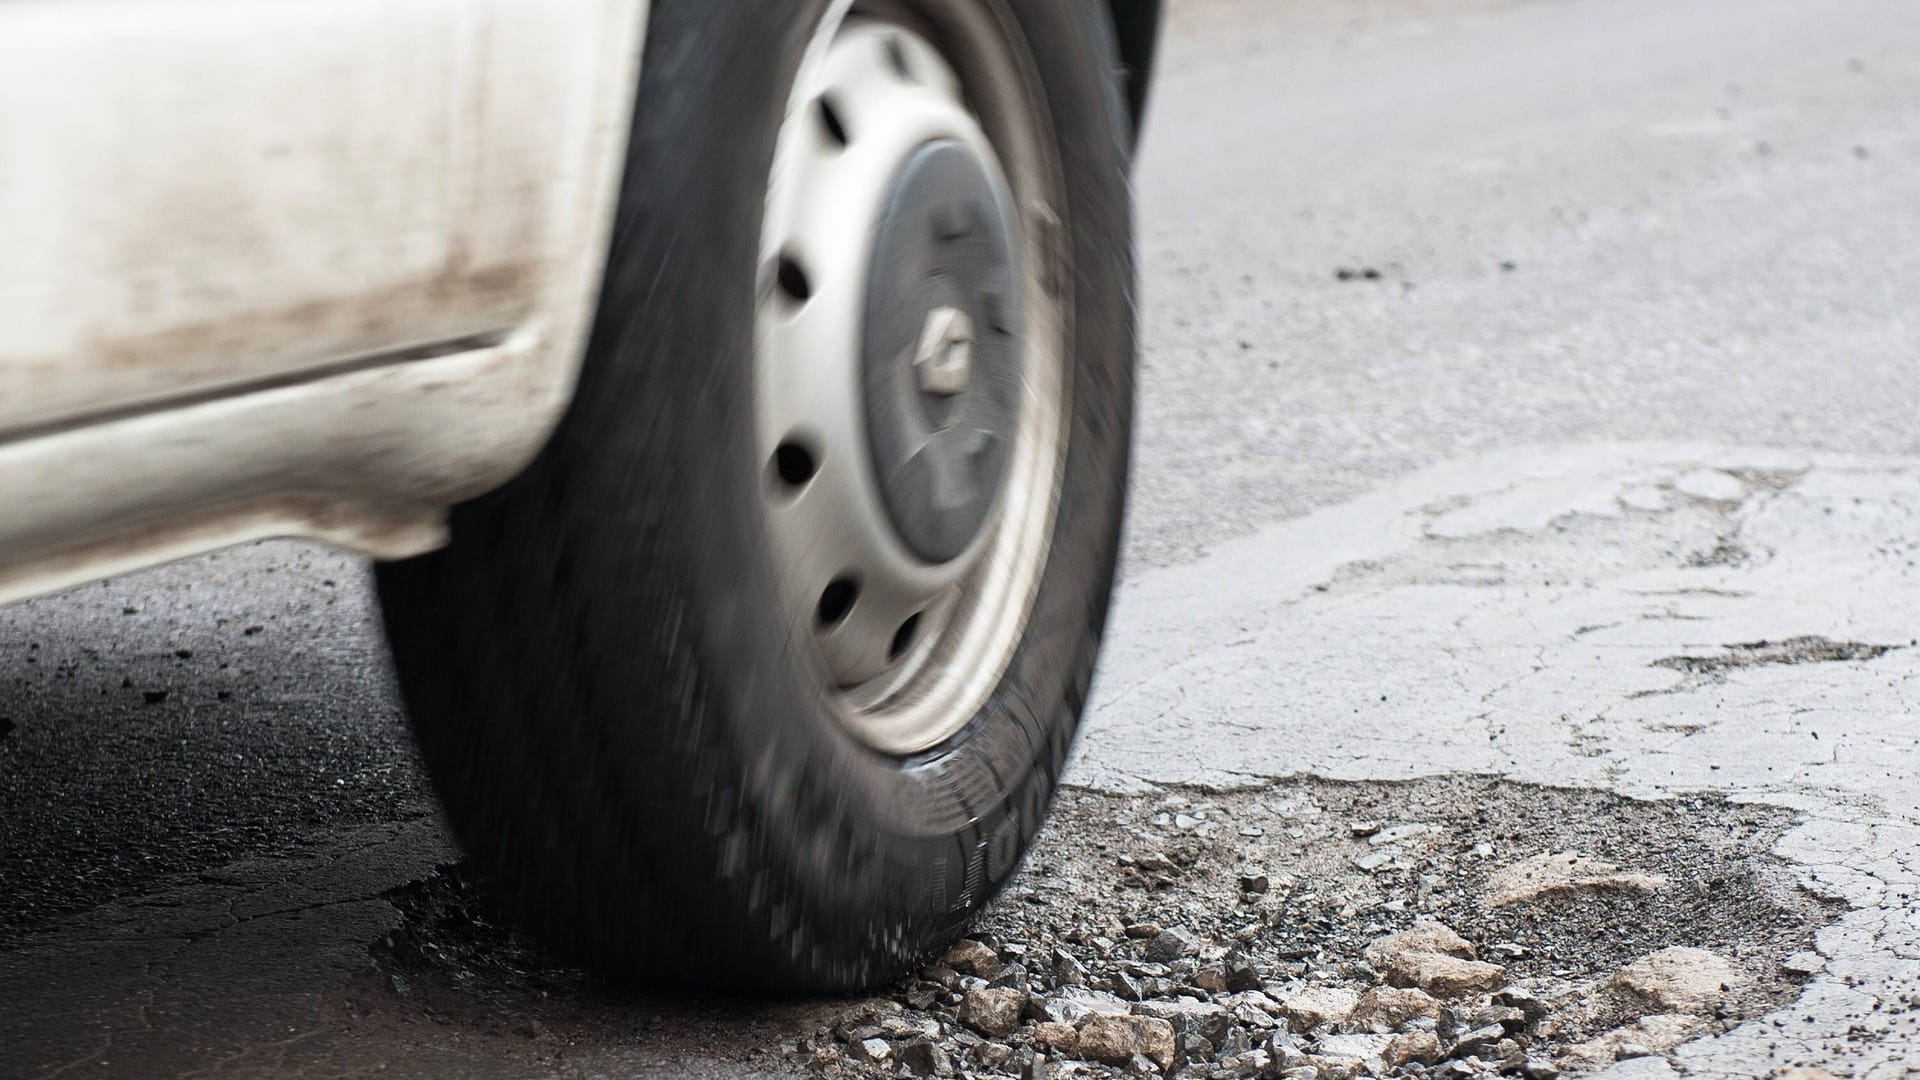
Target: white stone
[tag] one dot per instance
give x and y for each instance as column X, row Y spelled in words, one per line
column 1364, row 1047
column 1319, row 1005
column 1561, row 873
column 1711, row 485
column 1682, row 979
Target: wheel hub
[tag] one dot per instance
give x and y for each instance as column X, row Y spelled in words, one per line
column 944, row 361
column 910, row 382
column 940, row 356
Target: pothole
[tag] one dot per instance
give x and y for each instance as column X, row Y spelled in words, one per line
column 446, row 935
column 1252, row 934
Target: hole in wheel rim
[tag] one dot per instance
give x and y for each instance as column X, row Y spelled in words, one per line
column 792, row 279
column 830, row 122
column 837, row 599
column 903, row 637
column 794, row 464
column 897, row 59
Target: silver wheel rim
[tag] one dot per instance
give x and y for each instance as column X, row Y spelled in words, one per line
column 912, row 646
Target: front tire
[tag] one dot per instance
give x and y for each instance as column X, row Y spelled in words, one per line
column 644, row 738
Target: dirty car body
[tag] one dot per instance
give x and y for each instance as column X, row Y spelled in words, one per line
column 313, row 269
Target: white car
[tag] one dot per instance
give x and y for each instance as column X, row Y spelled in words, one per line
column 736, row 392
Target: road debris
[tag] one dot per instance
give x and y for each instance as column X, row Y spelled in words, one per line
column 1561, row 872
column 1681, row 979
column 1458, row 958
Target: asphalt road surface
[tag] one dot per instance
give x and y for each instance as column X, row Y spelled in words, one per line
column 1528, row 401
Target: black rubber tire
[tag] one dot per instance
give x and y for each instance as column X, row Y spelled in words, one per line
column 638, row 762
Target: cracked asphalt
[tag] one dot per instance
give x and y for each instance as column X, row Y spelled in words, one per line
column 1527, row 401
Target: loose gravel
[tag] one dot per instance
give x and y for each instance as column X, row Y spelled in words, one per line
column 1315, row 930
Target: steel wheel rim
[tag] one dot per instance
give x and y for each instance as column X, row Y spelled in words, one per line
column 910, row 646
